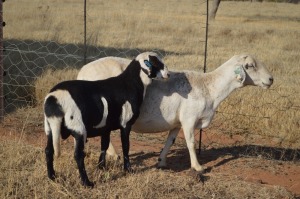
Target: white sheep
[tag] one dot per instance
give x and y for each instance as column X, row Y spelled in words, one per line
column 86, row 109
column 188, row 99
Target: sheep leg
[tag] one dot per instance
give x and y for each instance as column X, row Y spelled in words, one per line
column 49, row 151
column 125, row 147
column 105, row 140
column 188, row 129
column 79, row 157
column 162, row 162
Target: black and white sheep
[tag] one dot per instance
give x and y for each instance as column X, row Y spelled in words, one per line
column 187, row 100
column 86, row 109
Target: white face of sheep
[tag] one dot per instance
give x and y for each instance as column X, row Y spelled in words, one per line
column 253, row 72
column 153, row 66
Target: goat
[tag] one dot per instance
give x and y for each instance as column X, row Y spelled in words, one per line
column 188, row 99
column 86, row 109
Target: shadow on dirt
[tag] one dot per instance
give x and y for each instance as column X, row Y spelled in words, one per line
column 178, row 159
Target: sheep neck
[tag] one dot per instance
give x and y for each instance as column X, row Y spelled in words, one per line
column 221, row 82
column 146, row 81
column 136, row 73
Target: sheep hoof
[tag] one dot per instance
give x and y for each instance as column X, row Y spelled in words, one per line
column 101, row 166
column 102, row 161
column 202, row 178
column 198, row 175
column 88, row 184
column 51, row 176
column 127, row 168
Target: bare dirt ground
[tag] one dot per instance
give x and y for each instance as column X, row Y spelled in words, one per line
column 277, row 169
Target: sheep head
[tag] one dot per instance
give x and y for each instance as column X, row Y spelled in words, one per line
column 152, row 65
column 253, row 72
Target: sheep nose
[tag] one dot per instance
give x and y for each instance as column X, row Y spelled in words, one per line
column 271, row 79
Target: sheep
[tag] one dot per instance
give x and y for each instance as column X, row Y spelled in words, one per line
column 87, row 109
column 188, row 100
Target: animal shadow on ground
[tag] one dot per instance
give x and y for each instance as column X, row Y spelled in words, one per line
column 178, row 159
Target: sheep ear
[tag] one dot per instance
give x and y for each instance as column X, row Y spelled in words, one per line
column 249, row 62
column 240, row 74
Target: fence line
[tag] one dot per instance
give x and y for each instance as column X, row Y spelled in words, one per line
column 35, row 55
column 25, row 61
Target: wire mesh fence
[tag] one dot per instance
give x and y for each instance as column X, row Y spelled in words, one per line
column 53, row 38
column 27, row 59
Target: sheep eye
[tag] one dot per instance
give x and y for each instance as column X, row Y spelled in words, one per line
column 247, row 66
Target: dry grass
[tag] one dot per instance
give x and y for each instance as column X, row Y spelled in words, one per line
column 269, row 31
column 50, row 78
column 24, row 176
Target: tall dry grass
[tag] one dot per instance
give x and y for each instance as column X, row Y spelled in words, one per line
column 23, row 175
column 270, row 31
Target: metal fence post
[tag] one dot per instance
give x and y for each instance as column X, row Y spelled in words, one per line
column 2, row 24
column 204, row 65
column 84, row 21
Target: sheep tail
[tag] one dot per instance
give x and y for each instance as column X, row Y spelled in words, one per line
column 54, row 126
column 56, row 139
column 53, row 121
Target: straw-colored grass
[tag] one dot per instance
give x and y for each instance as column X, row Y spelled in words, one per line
column 270, row 31
column 23, row 175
